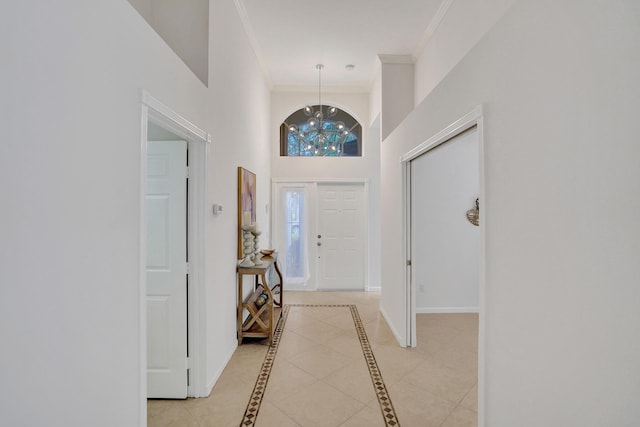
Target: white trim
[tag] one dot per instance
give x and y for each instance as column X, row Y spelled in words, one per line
column 142, row 274
column 469, row 120
column 408, row 290
column 253, row 41
column 395, row 59
column 172, row 121
column 401, row 340
column 483, row 277
column 212, row 382
column 326, row 90
column 433, row 26
column 374, row 289
column 198, row 155
column 198, row 141
column 443, row 310
column 320, row 180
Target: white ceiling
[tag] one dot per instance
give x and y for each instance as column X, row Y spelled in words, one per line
column 291, row 36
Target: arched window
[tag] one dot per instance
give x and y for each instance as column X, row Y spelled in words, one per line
column 321, row 131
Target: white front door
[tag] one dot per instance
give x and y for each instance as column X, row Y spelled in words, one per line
column 166, row 203
column 340, row 237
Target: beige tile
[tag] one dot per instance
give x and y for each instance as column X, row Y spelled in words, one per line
column 270, row 416
column 293, row 344
column 218, row 414
column 415, row 408
column 327, row 336
column 286, row 379
column 320, row 405
column 169, row 413
column 461, row 417
column 225, row 406
column 347, row 344
column 298, row 319
column 395, row 362
column 470, row 401
column 441, row 381
column 246, row 362
column 342, row 320
column 319, row 331
column 321, row 361
column 354, row 379
column 378, row 332
column 369, row 416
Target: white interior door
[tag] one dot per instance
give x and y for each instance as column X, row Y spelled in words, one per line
column 340, row 237
column 166, row 203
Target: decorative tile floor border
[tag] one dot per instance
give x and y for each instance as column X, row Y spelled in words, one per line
column 380, row 388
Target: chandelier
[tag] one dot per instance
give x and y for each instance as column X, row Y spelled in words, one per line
column 324, row 136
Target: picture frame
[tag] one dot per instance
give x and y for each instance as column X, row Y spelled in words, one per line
column 247, row 213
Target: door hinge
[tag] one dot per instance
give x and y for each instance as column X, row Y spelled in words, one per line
column 408, row 263
column 188, row 363
column 187, row 268
column 187, row 172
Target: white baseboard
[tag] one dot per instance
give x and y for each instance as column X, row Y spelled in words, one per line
column 216, row 376
column 435, row 310
column 401, row 340
column 374, row 289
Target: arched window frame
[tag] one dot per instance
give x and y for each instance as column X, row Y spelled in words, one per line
column 292, row 146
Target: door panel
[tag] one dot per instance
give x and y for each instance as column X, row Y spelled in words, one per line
column 166, row 204
column 341, row 224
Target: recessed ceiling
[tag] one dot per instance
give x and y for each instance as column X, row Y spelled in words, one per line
column 292, row 36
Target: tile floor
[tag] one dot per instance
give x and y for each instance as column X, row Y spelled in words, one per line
column 319, row 377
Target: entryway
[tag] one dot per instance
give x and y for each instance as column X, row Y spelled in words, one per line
column 172, row 255
column 320, row 232
column 444, row 250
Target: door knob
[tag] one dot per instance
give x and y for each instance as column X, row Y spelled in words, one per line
column 319, row 244
column 319, row 236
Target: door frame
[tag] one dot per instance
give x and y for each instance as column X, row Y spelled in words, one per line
column 198, row 142
column 472, row 119
column 314, row 220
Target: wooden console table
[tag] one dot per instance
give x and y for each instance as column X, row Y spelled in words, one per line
column 259, row 323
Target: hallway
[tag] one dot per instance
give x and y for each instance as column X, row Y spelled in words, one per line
column 320, row 378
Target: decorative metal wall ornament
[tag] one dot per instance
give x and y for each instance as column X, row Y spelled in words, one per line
column 473, row 215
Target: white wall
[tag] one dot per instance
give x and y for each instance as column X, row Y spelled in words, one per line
column 464, row 23
column 69, row 175
column 445, row 245
column 396, row 94
column 185, row 28
column 558, row 82
column 238, row 112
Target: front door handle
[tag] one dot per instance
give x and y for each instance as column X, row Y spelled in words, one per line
column 319, row 244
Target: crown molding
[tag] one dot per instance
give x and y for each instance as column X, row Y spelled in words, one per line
column 395, row 59
column 248, row 29
column 433, row 26
column 314, row 89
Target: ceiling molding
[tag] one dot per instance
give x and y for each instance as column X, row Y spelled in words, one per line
column 395, row 59
column 248, row 29
column 375, row 73
column 314, row 89
column 433, row 26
